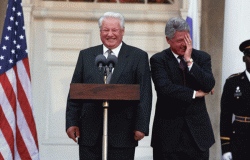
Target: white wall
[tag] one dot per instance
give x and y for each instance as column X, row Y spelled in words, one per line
column 236, row 30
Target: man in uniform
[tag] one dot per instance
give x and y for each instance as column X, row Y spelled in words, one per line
column 235, row 137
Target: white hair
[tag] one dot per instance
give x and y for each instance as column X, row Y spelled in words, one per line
column 112, row 15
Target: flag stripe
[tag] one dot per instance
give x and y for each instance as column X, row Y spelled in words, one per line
column 4, row 149
column 6, row 131
column 21, row 147
column 1, row 156
column 27, row 67
column 7, row 137
column 8, row 103
column 25, row 133
column 9, row 114
column 24, row 79
column 25, row 85
column 25, row 107
column 7, row 87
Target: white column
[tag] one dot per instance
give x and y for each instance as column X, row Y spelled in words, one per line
column 236, row 30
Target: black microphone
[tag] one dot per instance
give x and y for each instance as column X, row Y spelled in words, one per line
column 100, row 61
column 111, row 61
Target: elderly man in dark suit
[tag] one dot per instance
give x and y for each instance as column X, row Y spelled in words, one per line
column 128, row 121
column 182, row 77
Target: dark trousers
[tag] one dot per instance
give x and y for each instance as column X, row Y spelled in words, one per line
column 187, row 149
column 240, row 144
column 180, row 155
column 95, row 153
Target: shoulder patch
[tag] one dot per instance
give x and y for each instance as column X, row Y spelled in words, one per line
column 234, row 75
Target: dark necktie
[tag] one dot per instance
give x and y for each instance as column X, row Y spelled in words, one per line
column 109, row 72
column 183, row 66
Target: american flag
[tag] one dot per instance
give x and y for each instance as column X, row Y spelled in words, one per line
column 18, row 136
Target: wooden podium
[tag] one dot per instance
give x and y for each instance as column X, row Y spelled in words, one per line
column 105, row 92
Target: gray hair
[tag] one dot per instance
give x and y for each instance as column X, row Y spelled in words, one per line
column 112, row 15
column 175, row 24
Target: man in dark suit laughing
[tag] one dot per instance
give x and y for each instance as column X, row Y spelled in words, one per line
column 182, row 77
column 128, row 121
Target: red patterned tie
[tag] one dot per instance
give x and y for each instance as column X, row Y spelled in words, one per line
column 183, row 66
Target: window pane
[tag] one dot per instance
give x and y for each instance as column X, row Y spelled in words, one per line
column 112, row 1
column 121, row 1
column 82, row 0
column 55, row 0
column 131, row 1
column 160, row 1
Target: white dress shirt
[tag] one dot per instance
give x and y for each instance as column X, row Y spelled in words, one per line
column 115, row 51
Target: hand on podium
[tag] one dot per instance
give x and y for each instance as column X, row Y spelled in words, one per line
column 227, row 156
column 73, row 132
column 138, row 135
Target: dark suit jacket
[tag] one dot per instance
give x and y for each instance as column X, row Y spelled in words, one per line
column 123, row 116
column 175, row 105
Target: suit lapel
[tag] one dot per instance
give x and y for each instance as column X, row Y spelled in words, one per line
column 176, row 72
column 122, row 62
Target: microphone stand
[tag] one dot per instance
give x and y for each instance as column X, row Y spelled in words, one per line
column 101, row 61
column 105, row 124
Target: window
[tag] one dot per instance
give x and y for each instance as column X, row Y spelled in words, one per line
column 121, row 1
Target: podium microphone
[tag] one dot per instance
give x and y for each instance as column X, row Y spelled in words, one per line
column 111, row 61
column 100, row 61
